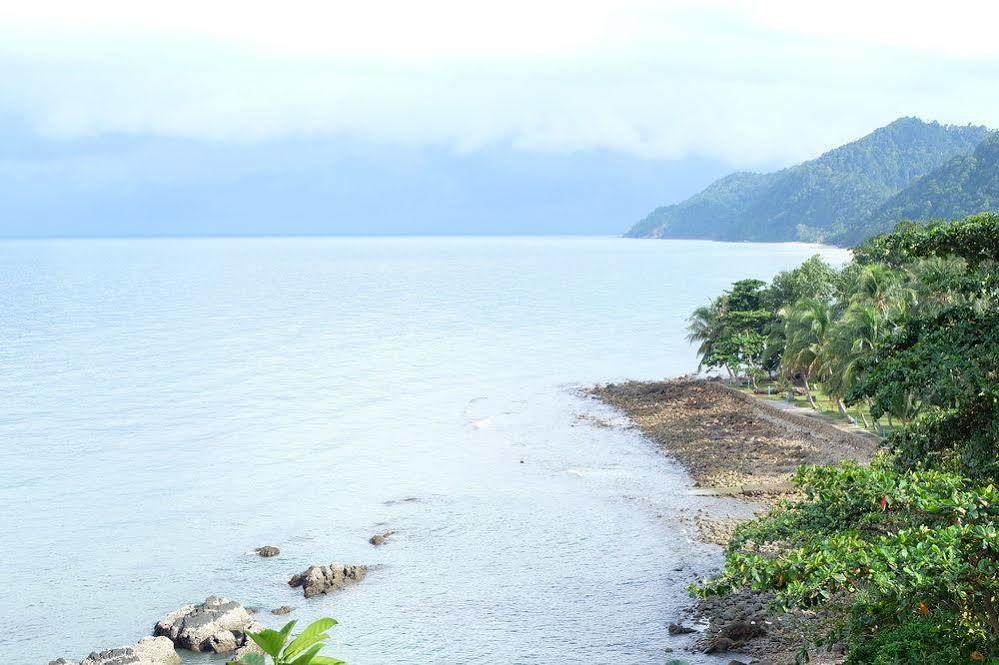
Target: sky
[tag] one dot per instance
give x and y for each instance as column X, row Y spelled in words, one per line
column 448, row 116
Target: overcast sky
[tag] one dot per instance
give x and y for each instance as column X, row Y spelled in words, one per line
column 745, row 84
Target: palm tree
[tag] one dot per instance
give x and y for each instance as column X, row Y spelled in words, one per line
column 851, row 338
column 704, row 326
column 806, row 323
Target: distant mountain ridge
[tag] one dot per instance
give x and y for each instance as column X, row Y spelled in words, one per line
column 836, row 197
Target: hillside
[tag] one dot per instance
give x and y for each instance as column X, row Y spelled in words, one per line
column 828, row 197
column 963, row 186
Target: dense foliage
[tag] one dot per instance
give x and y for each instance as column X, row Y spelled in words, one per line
column 965, row 185
column 838, row 195
column 910, row 545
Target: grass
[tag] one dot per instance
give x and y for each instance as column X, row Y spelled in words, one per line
column 826, row 404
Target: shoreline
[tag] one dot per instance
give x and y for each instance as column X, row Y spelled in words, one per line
column 738, row 445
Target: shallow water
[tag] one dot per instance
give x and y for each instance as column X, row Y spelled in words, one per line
column 171, row 404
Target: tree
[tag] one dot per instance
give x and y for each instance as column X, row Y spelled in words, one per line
column 732, row 329
column 806, row 324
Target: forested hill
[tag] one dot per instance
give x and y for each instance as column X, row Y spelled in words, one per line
column 963, row 186
column 832, row 197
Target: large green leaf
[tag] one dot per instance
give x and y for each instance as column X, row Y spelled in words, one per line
column 269, row 640
column 286, row 631
column 314, row 633
column 326, row 660
column 306, row 657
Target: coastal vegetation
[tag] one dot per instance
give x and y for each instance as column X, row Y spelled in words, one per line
column 902, row 554
column 303, row 649
column 909, row 169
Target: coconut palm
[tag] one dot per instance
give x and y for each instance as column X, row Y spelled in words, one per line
column 806, row 323
column 705, row 327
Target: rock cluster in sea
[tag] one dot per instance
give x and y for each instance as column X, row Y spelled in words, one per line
column 317, row 580
column 147, row 651
column 218, row 625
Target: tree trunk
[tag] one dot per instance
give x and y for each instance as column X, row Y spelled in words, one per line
column 808, row 392
column 842, row 410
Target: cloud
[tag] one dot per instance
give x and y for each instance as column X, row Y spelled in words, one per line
column 750, row 83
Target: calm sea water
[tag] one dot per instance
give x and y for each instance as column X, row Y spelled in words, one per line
column 168, row 405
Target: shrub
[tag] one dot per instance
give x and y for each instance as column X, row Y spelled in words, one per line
column 302, row 650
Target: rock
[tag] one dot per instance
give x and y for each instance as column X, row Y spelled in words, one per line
column 267, row 551
column 218, row 625
column 325, row 579
column 284, row 609
column 741, row 631
column 380, row 538
column 719, row 645
column 249, row 647
column 148, row 651
column 679, row 629
column 63, row 661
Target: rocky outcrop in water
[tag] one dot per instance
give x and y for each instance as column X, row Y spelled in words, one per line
column 317, row 580
column 380, row 538
column 218, row 625
column 148, row 651
column 267, row 551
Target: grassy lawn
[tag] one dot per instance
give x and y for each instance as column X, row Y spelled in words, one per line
column 826, row 405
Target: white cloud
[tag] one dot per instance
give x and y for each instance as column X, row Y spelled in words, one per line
column 747, row 82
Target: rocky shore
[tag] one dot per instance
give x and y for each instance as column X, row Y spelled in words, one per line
column 735, row 444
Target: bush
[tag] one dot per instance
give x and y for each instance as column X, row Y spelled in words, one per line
column 905, row 546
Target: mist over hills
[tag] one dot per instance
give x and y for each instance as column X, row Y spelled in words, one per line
column 844, row 195
column 141, row 185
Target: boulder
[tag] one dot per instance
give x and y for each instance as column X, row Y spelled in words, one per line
column 326, row 579
column 679, row 629
column 267, row 551
column 148, row 651
column 249, row 647
column 218, row 625
column 741, row 631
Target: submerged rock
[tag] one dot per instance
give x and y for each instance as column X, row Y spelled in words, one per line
column 267, row 551
column 284, row 609
column 218, row 625
column 148, row 651
column 380, row 538
column 679, row 629
column 325, row 579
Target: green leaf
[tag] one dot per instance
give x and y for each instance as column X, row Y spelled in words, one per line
column 269, row 640
column 314, row 633
column 286, row 631
column 326, row 660
column 306, row 658
column 253, row 659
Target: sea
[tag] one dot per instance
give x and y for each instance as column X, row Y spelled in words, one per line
column 169, row 404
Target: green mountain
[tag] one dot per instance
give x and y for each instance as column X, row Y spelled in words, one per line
column 828, row 197
column 963, row 186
